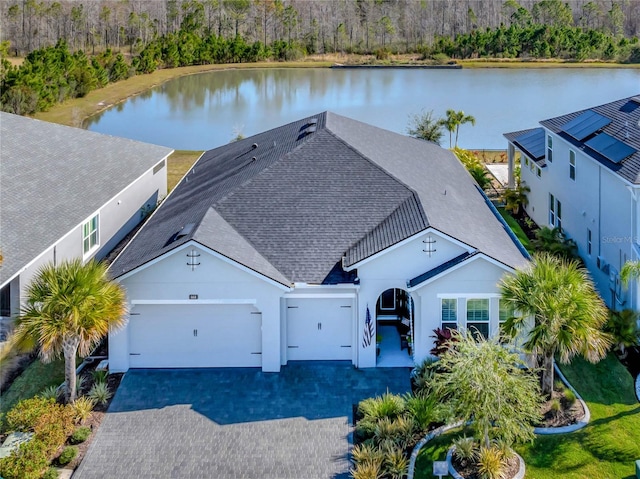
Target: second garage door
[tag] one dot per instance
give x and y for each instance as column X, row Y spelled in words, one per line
column 319, row 329
column 193, row 336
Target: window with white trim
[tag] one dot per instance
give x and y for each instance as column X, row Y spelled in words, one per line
column 538, row 171
column 549, row 149
column 449, row 318
column 572, row 165
column 90, row 235
column 478, row 316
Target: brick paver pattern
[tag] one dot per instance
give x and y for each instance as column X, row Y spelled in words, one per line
column 235, row 423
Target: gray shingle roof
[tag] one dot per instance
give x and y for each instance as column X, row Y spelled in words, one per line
column 625, row 117
column 52, row 177
column 303, row 201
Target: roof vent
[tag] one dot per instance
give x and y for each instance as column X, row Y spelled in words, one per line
column 253, row 158
column 312, row 121
column 636, row 99
column 186, row 230
column 254, row 146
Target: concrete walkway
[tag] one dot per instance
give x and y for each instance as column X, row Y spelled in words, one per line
column 228, row 423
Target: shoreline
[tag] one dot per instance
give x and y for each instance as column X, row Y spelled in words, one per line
column 77, row 111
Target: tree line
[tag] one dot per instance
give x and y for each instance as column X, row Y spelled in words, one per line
column 320, row 26
column 196, row 33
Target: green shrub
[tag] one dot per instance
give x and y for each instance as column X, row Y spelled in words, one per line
column 440, row 59
column 466, row 449
column 100, row 393
column 68, row 454
column 50, row 392
column 423, row 375
column 100, row 376
column 391, row 433
column 423, row 409
column 50, row 422
column 366, row 470
column 26, row 414
column 396, row 463
column 570, row 396
column 365, row 428
column 363, row 453
column 27, row 462
column 51, row 473
column 490, row 463
column 80, row 435
column 382, row 54
column 386, row 406
column 82, row 408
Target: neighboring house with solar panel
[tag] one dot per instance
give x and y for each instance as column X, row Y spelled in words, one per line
column 323, row 239
column 583, row 169
column 67, row 193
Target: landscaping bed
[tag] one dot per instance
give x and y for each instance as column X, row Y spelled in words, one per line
column 57, row 440
column 562, row 409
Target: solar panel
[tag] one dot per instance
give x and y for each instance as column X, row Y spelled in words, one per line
column 612, row 149
column 585, row 124
column 532, row 142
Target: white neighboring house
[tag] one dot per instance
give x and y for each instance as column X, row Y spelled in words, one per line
column 312, row 241
column 68, row 193
column 583, row 169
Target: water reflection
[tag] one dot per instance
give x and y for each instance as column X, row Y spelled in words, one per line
column 207, row 110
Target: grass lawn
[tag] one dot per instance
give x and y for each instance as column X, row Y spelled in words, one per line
column 515, row 227
column 33, row 380
column 178, row 164
column 604, row 449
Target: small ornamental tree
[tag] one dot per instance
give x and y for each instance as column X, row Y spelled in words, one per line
column 487, row 385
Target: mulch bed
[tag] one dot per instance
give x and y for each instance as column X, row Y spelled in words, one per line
column 470, row 471
column 97, row 416
column 569, row 412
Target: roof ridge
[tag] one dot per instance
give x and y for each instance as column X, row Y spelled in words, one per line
column 377, row 165
column 403, row 205
column 249, row 242
column 279, row 159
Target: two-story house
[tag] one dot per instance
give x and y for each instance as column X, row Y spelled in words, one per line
column 583, row 170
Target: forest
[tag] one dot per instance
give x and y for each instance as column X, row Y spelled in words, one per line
column 72, row 47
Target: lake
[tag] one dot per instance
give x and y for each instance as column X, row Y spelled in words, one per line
column 203, row 111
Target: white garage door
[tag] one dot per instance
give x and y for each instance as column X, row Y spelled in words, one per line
column 195, row 336
column 319, row 329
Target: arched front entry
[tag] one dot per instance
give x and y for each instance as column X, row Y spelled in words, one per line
column 394, row 329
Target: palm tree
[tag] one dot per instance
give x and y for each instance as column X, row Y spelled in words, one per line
column 630, row 270
column 453, row 121
column 623, row 327
column 69, row 309
column 426, row 127
column 566, row 310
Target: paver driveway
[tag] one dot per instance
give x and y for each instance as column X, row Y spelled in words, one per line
column 228, row 423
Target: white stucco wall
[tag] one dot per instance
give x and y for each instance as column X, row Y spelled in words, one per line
column 117, row 218
column 214, row 279
column 394, row 268
column 598, row 200
column 477, row 279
